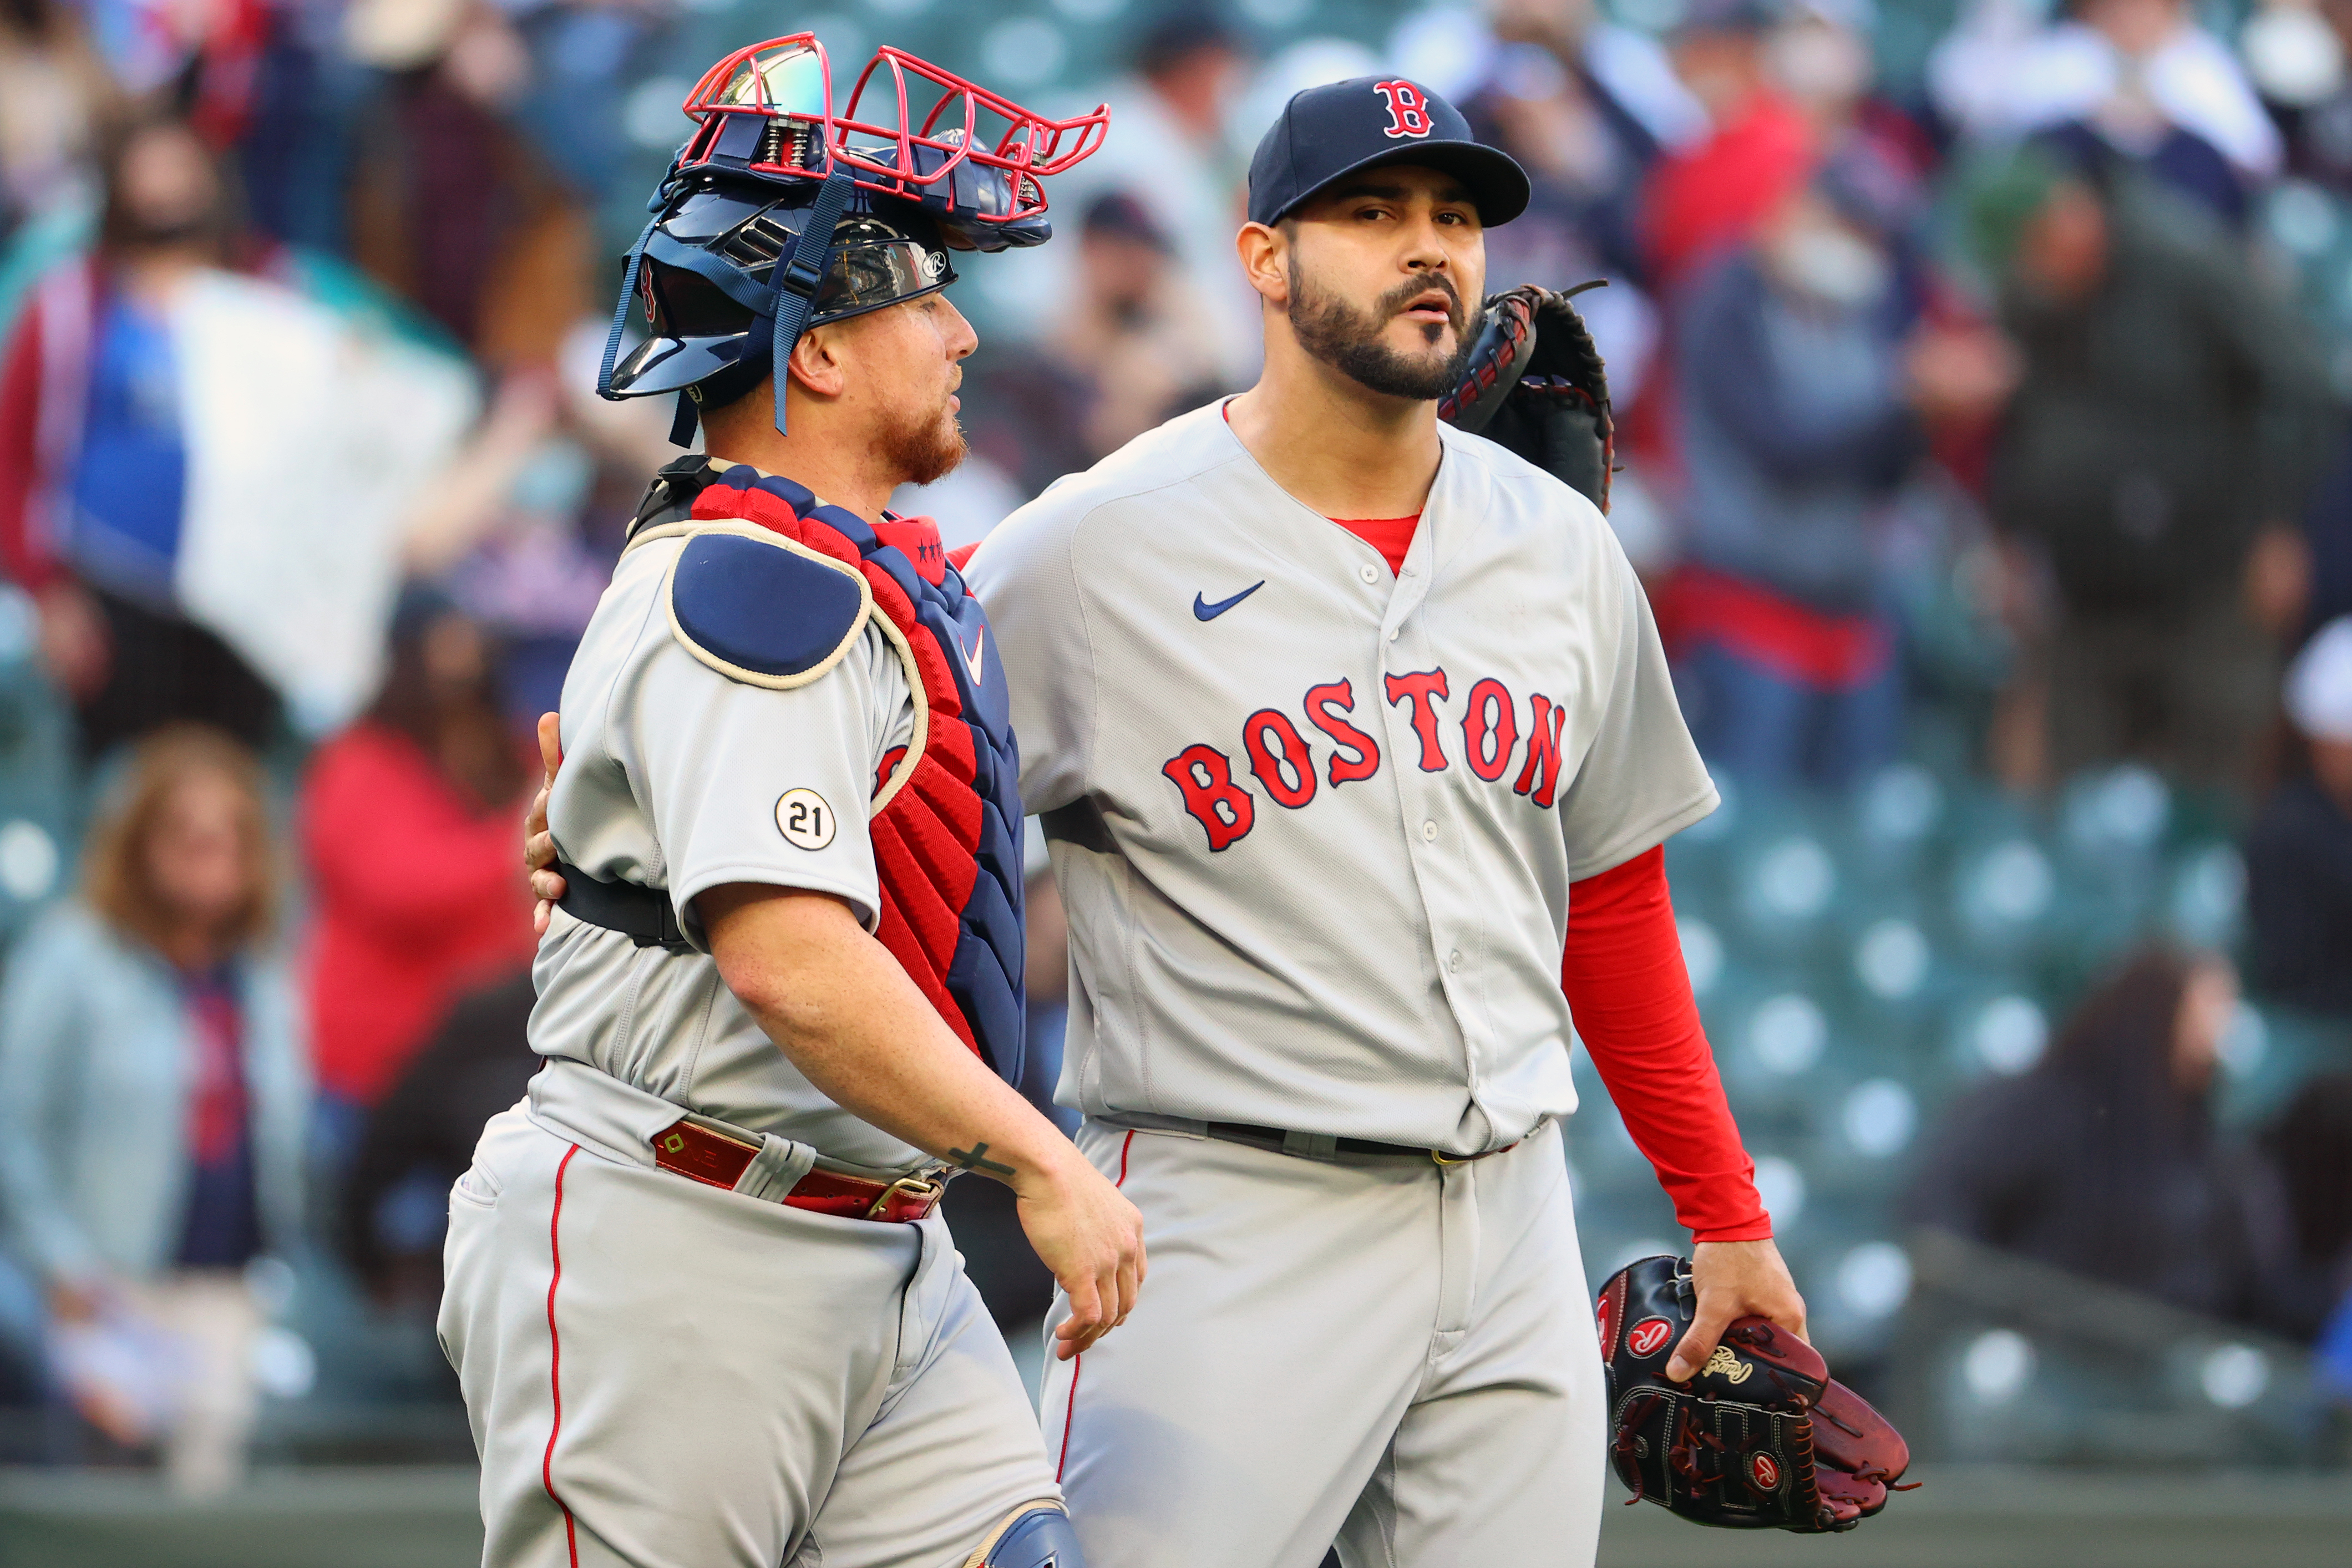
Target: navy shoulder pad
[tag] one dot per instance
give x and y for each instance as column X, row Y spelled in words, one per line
column 764, row 610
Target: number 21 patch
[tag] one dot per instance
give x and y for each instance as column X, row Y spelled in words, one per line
column 804, row 819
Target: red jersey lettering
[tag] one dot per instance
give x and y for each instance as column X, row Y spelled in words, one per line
column 1540, row 778
column 1287, row 758
column 1355, row 755
column 1422, row 686
column 1490, row 729
column 1205, row 776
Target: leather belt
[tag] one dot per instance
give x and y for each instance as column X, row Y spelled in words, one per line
column 697, row 1153
column 1323, row 1145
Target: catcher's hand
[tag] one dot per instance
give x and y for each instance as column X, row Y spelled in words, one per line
column 1536, row 384
column 1760, row 1438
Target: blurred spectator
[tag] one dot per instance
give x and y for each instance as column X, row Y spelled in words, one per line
column 2170, row 416
column 163, row 426
column 1170, row 154
column 2135, row 80
column 200, row 58
column 1626, row 70
column 452, row 207
column 420, row 1138
column 93, row 461
column 2299, row 856
column 2296, row 53
column 1125, row 350
column 2327, row 537
column 52, row 89
column 1542, row 101
column 408, row 829
column 293, row 153
column 2103, row 1159
column 1130, row 341
column 2311, row 1145
column 1585, row 153
column 152, row 1102
column 1717, row 194
column 1800, row 363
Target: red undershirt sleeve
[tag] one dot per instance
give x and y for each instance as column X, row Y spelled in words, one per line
column 1623, row 972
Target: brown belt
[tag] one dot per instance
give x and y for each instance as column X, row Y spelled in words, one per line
column 715, row 1159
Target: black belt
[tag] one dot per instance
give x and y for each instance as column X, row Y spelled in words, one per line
column 1323, row 1145
column 643, row 915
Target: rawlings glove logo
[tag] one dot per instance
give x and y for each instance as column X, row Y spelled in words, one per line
column 1725, row 1365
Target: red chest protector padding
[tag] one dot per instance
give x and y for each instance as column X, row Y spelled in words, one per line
column 944, row 829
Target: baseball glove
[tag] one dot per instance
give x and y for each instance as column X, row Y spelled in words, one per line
column 1537, row 385
column 1760, row 1438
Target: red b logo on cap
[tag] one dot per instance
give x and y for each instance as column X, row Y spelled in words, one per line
column 1408, row 110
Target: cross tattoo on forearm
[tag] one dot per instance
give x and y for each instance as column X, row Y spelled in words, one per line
column 970, row 1159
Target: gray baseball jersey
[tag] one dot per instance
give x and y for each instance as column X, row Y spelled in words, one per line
column 677, row 776
column 1315, row 825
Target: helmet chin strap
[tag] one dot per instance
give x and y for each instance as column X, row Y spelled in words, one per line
column 792, row 295
column 798, row 275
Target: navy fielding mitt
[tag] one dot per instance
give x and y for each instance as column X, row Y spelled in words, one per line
column 1760, row 1438
column 1536, row 384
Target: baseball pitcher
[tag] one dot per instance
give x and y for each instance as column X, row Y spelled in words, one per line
column 1355, row 745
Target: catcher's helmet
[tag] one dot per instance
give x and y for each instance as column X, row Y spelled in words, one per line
column 778, row 214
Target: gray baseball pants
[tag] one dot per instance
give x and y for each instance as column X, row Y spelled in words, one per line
column 1392, row 1355
column 666, row 1374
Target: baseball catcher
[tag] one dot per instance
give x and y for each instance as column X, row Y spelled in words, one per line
column 702, row 1301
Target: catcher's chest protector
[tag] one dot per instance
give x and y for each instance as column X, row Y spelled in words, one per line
column 946, row 811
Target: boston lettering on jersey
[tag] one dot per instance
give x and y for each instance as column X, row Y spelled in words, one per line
column 1486, row 731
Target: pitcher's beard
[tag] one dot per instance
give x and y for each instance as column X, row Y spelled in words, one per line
column 923, row 451
column 1349, row 340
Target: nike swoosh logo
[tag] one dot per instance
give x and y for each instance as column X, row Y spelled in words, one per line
column 1203, row 610
column 972, row 659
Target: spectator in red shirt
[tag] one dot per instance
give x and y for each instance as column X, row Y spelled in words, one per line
column 407, row 828
column 1717, row 193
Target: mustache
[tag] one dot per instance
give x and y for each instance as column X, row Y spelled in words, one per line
column 1393, row 302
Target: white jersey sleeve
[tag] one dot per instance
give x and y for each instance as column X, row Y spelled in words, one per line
column 750, row 785
column 687, row 777
column 1642, row 779
column 1027, row 576
column 677, row 776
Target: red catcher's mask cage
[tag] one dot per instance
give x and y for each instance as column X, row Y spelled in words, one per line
column 785, row 86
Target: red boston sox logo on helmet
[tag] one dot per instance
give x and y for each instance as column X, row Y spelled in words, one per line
column 1649, row 1336
column 1408, row 109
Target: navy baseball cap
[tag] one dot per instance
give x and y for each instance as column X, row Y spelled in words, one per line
column 1327, row 133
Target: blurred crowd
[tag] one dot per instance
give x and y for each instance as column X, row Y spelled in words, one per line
column 1978, row 417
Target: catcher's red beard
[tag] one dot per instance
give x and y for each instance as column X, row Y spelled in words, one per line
column 921, row 449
